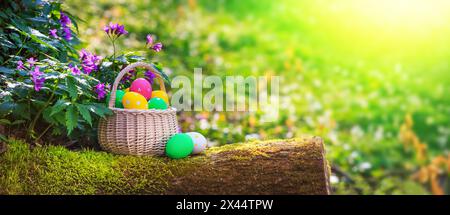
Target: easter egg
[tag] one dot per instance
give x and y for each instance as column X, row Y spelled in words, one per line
column 127, row 90
column 179, row 146
column 160, row 94
column 199, row 140
column 142, row 87
column 132, row 100
column 119, row 96
column 157, row 103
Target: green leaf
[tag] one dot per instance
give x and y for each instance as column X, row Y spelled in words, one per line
column 37, row 103
column 84, row 111
column 56, row 13
column 71, row 87
column 83, row 83
column 105, row 64
column 17, row 122
column 122, row 59
column 5, row 122
column 34, row 35
column 41, row 20
column 6, row 43
column 6, row 71
column 160, row 72
column 55, row 75
column 4, row 94
column 21, row 110
column 60, row 118
column 59, row 106
column 71, row 119
column 3, row 138
column 46, row 114
column 134, row 57
column 20, row 88
column 7, row 107
column 99, row 109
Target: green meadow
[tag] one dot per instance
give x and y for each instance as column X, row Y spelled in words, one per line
column 364, row 75
column 372, row 78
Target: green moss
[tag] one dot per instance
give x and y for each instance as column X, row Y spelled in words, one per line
column 56, row 170
column 251, row 149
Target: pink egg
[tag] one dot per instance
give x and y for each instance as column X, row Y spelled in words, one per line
column 142, row 87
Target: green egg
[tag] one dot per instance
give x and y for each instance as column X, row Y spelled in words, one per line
column 157, row 103
column 179, row 146
column 119, row 96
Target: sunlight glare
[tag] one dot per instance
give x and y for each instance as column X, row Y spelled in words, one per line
column 405, row 13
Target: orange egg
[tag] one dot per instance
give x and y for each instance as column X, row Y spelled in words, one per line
column 161, row 94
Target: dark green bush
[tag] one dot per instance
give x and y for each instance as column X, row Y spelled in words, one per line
column 47, row 86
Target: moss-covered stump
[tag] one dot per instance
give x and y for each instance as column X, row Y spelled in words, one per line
column 294, row 166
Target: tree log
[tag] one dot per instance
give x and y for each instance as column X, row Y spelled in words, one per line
column 295, row 166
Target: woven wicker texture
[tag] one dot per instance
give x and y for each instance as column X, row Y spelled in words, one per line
column 137, row 132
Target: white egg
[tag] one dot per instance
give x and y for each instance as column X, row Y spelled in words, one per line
column 200, row 142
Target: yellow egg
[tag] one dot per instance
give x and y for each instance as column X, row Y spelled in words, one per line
column 132, row 100
column 161, row 94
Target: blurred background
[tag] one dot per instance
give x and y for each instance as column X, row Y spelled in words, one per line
column 369, row 76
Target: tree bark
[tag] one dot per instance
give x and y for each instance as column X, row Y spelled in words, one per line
column 296, row 166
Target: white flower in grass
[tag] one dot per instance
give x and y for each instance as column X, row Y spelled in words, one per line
column 253, row 136
column 365, row 166
column 334, row 179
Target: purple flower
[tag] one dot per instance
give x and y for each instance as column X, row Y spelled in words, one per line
column 20, row 65
column 100, row 90
column 157, row 47
column 65, row 22
column 67, row 34
column 88, row 61
column 64, row 19
column 106, row 29
column 75, row 70
column 125, row 78
column 128, row 76
column 149, row 75
column 35, row 77
column 52, row 33
column 31, row 61
column 121, row 30
column 115, row 30
column 149, row 39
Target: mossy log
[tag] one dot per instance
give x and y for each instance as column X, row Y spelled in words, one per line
column 294, row 166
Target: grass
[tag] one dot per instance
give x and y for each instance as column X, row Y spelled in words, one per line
column 351, row 71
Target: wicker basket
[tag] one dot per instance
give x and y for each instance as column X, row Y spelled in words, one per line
column 137, row 132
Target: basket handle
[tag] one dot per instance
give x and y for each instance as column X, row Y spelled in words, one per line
column 124, row 71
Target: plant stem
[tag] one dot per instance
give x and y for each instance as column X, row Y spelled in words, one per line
column 33, row 123
column 45, row 131
column 114, row 54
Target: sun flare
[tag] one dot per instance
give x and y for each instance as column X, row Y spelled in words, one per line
column 417, row 14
